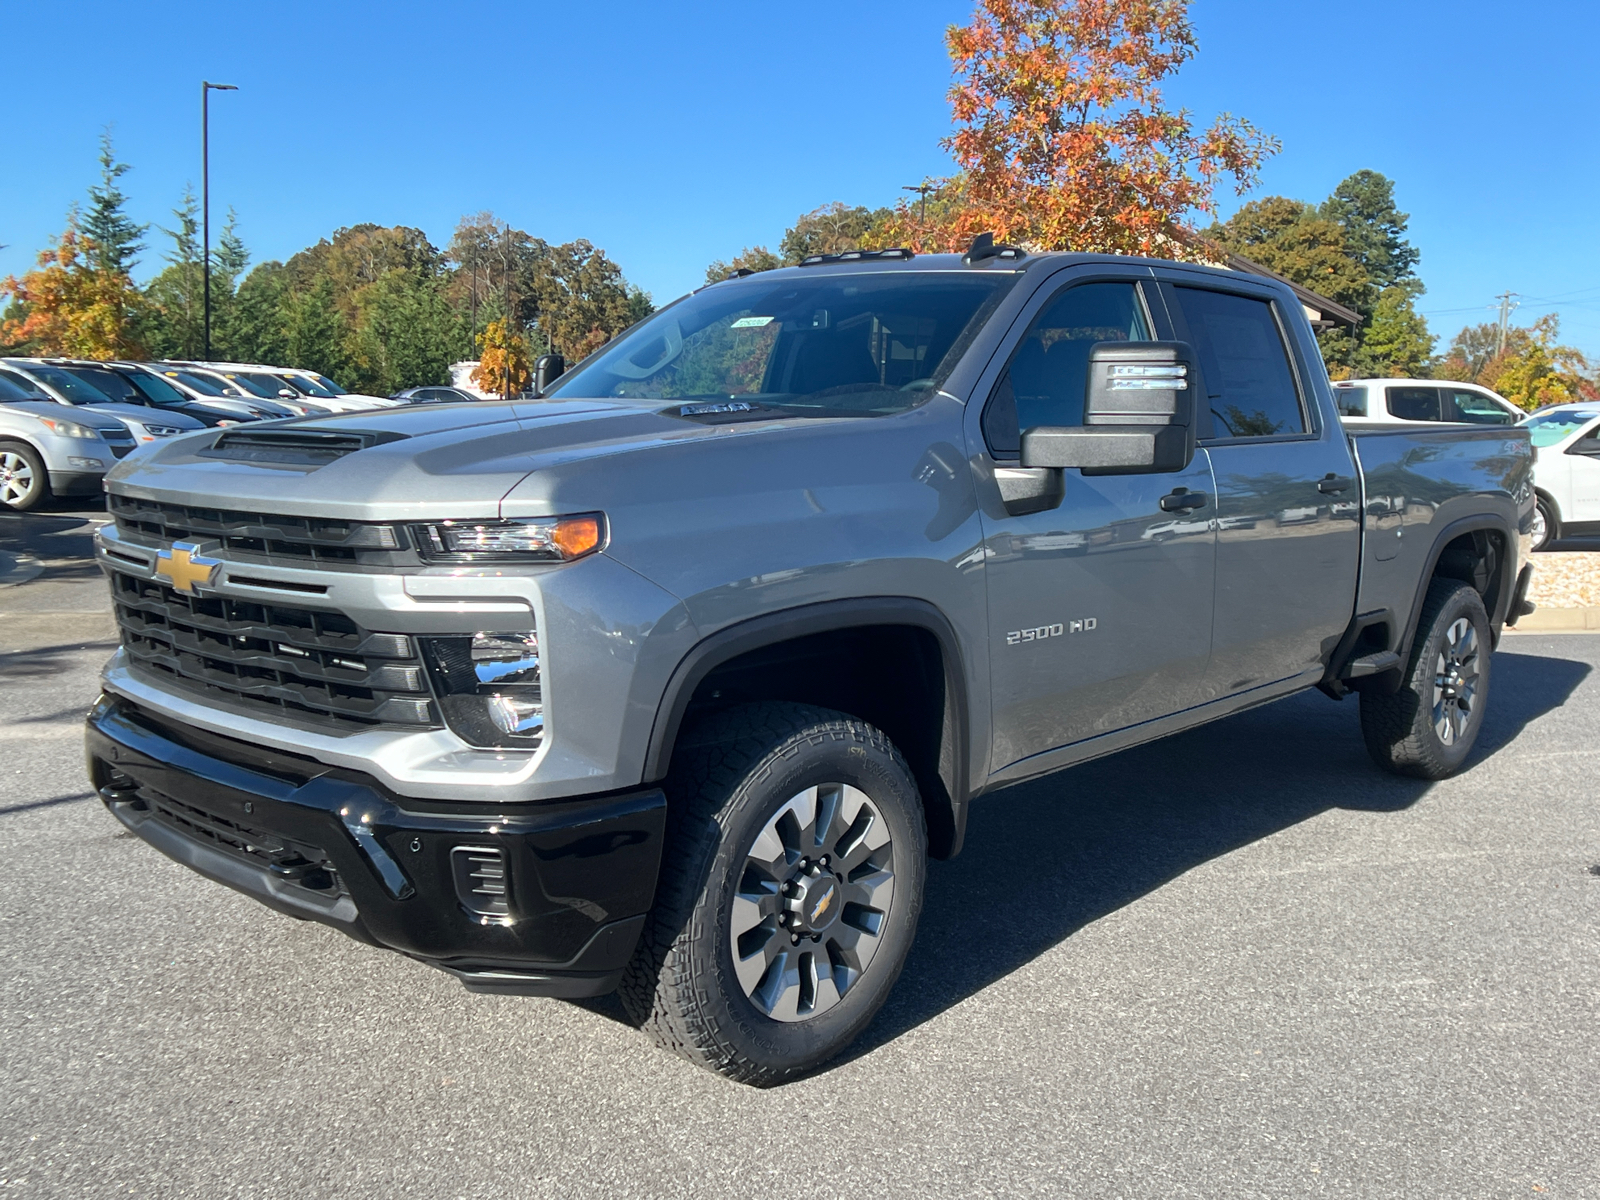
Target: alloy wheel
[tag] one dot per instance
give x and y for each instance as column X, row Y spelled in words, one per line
column 1539, row 531
column 811, row 904
column 16, row 478
column 1455, row 681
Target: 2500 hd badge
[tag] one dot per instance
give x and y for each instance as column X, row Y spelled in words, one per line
column 1037, row 634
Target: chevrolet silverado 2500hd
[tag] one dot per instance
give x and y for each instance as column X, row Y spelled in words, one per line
column 672, row 680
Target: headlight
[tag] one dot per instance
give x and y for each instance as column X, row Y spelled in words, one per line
column 489, row 688
column 70, row 429
column 162, row 430
column 539, row 539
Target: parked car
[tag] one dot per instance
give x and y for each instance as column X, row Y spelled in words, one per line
column 58, row 379
column 1566, row 472
column 218, row 394
column 127, row 383
column 1391, row 401
column 435, row 395
column 256, row 386
column 326, row 391
column 672, row 681
column 46, row 452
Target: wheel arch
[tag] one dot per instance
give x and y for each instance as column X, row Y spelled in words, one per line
column 935, row 738
column 1455, row 554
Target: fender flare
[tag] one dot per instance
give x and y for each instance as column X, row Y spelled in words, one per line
column 1505, row 585
column 947, row 813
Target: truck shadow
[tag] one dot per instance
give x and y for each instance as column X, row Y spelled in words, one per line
column 1046, row 858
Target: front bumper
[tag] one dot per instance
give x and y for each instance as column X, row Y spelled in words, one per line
column 332, row 845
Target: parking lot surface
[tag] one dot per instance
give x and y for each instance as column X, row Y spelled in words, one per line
column 1241, row 962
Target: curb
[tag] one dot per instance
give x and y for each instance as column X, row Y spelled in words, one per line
column 18, row 568
column 1560, row 620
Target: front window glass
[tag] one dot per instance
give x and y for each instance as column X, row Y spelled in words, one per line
column 1044, row 383
column 1415, row 403
column 827, row 345
column 257, row 385
column 107, row 381
column 16, row 387
column 1352, row 401
column 156, row 389
column 1547, row 429
column 1246, row 368
column 334, row 390
column 1478, row 409
column 78, row 391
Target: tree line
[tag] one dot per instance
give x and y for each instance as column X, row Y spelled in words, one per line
column 378, row 308
column 1062, row 141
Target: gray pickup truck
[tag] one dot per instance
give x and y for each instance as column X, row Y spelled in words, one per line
column 671, row 681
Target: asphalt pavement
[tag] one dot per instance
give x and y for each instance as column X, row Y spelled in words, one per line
column 1238, row 963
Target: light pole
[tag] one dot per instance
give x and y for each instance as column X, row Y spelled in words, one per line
column 922, row 189
column 205, row 191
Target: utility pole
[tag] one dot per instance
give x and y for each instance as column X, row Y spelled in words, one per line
column 205, row 190
column 1506, row 307
column 922, row 189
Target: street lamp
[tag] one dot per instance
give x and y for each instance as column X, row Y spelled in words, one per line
column 205, row 190
column 922, row 189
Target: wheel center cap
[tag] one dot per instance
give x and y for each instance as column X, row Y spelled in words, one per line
column 815, row 902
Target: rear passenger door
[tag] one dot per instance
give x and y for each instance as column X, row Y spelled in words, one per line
column 1287, row 511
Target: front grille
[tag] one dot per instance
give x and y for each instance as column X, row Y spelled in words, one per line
column 309, row 664
column 120, row 447
column 290, row 861
column 267, row 538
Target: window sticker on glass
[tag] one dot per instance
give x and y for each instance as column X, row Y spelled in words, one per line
column 750, row 322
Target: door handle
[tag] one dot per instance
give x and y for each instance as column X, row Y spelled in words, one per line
column 1332, row 484
column 1181, row 500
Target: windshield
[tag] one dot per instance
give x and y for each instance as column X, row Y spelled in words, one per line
column 156, row 389
column 307, row 386
column 203, row 384
column 108, row 381
column 15, row 387
column 78, row 391
column 829, row 345
column 333, row 388
column 1550, row 428
column 257, row 385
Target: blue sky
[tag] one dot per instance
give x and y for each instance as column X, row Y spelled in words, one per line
column 674, row 133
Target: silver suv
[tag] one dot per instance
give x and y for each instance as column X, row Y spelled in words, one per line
column 54, row 379
column 46, row 451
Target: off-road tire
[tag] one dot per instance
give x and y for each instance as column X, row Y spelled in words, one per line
column 730, row 774
column 1399, row 727
column 40, row 491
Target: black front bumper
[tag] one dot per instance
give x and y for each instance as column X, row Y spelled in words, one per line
column 334, row 846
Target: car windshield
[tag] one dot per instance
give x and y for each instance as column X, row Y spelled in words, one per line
column 16, row 387
column 308, row 386
column 203, row 384
column 828, row 345
column 1547, row 429
column 264, row 386
column 78, row 391
column 156, row 389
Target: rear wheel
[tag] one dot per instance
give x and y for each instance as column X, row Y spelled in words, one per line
column 1427, row 728
column 790, row 891
column 24, row 482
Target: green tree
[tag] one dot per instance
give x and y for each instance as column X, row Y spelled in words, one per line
column 175, row 294
column 1375, row 229
column 751, row 258
column 1540, row 370
column 115, row 236
column 1395, row 340
column 407, row 334
column 314, row 329
column 1294, row 240
column 831, row 229
column 260, row 329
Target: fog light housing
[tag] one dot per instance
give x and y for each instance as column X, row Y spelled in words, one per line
column 86, row 464
column 489, row 687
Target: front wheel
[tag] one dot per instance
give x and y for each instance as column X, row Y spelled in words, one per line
column 1545, row 528
column 24, row 482
column 791, row 885
column 1427, row 728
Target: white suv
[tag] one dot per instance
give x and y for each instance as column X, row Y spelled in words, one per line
column 1566, row 471
column 1406, row 401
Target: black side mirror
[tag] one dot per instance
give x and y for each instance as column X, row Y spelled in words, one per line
column 1138, row 414
column 547, row 368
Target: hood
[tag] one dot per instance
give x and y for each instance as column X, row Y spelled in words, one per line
column 94, row 418
column 405, row 463
column 144, row 416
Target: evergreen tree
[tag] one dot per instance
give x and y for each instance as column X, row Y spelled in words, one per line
column 230, row 258
column 1374, row 229
column 1395, row 340
column 314, row 329
column 177, row 327
column 260, row 328
column 106, row 223
column 407, row 335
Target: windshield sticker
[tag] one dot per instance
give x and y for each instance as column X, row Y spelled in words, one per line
column 751, row 322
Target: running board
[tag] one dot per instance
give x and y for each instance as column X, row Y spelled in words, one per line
column 1372, row 664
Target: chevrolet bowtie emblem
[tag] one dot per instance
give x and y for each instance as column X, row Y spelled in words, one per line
column 184, row 568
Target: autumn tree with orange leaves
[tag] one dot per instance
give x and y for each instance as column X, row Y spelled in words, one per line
column 1063, row 136
column 73, row 304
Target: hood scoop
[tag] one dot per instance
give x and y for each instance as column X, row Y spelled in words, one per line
column 295, row 447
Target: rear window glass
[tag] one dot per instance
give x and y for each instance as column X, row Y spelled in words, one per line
column 1415, row 403
column 1352, row 401
column 1246, row 366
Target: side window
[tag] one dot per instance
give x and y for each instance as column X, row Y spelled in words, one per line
column 1049, row 371
column 1352, row 401
column 1245, row 363
column 1415, row 403
column 1477, row 408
